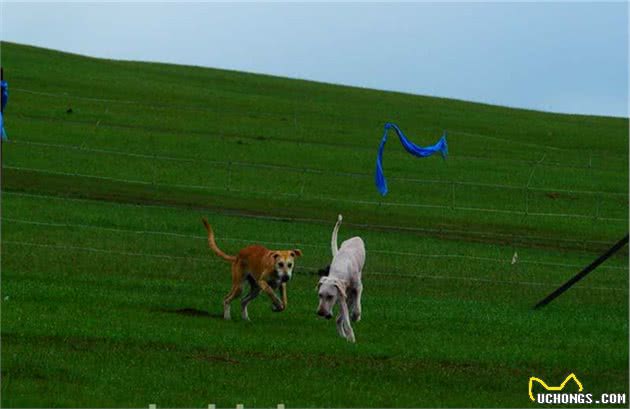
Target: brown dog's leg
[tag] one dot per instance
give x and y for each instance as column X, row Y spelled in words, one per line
column 279, row 306
column 254, row 290
column 284, row 295
column 237, row 288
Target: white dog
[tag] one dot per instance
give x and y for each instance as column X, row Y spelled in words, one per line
column 341, row 283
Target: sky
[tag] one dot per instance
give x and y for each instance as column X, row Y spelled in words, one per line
column 559, row 57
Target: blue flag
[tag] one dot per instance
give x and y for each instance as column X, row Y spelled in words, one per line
column 419, row 151
column 4, row 87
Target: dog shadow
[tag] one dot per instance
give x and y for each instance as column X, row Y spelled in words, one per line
column 192, row 312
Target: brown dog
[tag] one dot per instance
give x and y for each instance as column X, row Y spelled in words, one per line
column 261, row 267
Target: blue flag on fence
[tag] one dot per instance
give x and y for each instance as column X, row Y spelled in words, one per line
column 422, row 152
column 4, row 86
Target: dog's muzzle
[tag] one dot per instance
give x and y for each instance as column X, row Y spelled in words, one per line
column 285, row 278
column 324, row 314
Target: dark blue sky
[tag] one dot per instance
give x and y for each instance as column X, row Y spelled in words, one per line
column 562, row 57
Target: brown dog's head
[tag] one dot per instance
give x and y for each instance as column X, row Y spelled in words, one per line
column 284, row 261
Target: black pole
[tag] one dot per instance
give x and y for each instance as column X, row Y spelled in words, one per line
column 583, row 273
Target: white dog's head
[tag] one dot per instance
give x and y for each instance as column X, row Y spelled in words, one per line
column 329, row 290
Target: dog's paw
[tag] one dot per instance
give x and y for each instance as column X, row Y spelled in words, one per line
column 350, row 338
column 355, row 317
column 339, row 218
column 277, row 307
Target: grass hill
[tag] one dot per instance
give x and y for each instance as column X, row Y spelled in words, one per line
column 111, row 297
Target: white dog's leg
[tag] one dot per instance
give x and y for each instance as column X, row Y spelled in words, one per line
column 340, row 326
column 226, row 311
column 356, row 305
column 345, row 322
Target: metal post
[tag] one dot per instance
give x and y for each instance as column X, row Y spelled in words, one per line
column 598, row 199
column 154, row 161
column 302, row 182
column 526, row 200
column 229, row 179
column 295, row 127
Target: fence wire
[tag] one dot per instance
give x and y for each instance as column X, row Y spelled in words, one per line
column 217, row 110
column 228, row 188
column 308, row 268
column 312, row 170
column 300, row 244
column 509, row 237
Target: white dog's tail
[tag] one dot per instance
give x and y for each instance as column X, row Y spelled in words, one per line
column 333, row 241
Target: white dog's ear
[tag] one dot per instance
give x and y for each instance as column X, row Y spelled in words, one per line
column 342, row 289
column 319, row 284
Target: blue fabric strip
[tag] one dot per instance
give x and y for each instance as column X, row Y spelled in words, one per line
column 4, row 87
column 416, row 150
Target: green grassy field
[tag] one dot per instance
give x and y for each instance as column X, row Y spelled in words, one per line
column 110, row 297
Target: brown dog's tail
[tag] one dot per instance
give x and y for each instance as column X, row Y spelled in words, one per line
column 213, row 245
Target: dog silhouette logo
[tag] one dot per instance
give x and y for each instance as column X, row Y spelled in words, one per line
column 553, row 388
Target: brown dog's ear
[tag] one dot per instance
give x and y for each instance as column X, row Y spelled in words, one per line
column 297, row 252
